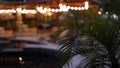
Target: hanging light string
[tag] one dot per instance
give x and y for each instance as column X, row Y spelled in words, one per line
column 62, row 8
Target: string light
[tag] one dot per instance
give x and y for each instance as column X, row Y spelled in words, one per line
column 7, row 11
column 86, row 5
column 62, row 8
column 79, row 8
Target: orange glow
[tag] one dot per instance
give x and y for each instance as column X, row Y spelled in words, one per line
column 99, row 12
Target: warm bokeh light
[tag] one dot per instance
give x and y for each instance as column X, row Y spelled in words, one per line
column 49, row 13
column 49, row 9
column 56, row 10
column 86, row 5
column 20, row 58
column 43, row 10
column 82, row 8
column 76, row 8
column 52, row 10
column 63, row 7
column 99, row 12
column 7, row 11
column 79, row 8
column 18, row 9
column 26, row 11
column 107, row 13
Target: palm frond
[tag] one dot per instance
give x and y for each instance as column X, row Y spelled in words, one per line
column 97, row 39
column 67, row 51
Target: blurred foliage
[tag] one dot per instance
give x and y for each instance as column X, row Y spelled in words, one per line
column 94, row 37
column 111, row 5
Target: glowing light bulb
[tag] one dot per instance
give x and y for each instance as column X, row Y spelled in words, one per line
column 82, row 8
column 56, row 10
column 1, row 11
column 49, row 10
column 79, row 8
column 99, row 12
column 107, row 13
column 20, row 58
column 53, row 10
column 75, row 8
column 86, row 5
column 19, row 9
column 72, row 8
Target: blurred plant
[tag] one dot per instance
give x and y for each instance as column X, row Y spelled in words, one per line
column 95, row 38
column 111, row 6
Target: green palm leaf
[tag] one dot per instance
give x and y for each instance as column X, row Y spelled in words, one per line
column 97, row 39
